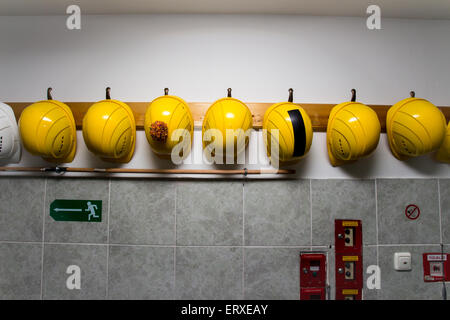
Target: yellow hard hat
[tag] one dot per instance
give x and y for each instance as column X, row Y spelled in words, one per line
column 294, row 127
column 226, row 114
column 353, row 132
column 47, row 129
column 414, row 127
column 164, row 115
column 443, row 154
column 109, row 130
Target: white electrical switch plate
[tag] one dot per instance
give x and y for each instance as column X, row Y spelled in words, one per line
column 402, row 261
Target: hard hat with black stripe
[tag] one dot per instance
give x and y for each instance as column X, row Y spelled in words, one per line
column 288, row 126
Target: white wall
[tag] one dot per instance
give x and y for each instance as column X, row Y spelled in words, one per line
column 260, row 57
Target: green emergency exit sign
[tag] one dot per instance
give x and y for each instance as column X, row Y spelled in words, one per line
column 76, row 210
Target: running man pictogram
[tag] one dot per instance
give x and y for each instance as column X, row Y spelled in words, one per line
column 92, row 210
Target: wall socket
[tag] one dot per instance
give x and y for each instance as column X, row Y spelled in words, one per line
column 402, row 261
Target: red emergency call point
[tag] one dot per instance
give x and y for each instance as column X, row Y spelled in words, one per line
column 348, row 259
column 348, row 270
column 436, row 267
column 348, row 236
column 312, row 270
column 313, row 275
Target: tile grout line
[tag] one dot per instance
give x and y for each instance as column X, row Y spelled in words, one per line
column 175, row 247
column 440, row 211
column 20, row 242
column 310, row 214
column 107, row 239
column 76, row 243
column 243, row 241
column 377, row 247
column 191, row 246
column 408, row 244
column 376, row 221
column 43, row 239
column 217, row 246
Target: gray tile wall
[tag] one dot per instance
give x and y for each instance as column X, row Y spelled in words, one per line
column 212, row 239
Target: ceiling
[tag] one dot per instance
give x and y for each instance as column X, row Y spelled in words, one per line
column 412, row 9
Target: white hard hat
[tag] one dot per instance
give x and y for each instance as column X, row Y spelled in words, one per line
column 10, row 148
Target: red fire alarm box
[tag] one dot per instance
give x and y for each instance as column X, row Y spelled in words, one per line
column 313, row 270
column 348, row 271
column 313, row 275
column 348, row 294
column 348, row 259
column 312, row 293
column 348, row 235
column 436, row 267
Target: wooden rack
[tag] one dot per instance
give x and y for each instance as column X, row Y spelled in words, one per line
column 317, row 112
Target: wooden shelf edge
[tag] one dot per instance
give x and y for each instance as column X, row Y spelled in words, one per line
column 317, row 112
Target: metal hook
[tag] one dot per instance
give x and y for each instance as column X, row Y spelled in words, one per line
column 60, row 170
column 108, row 93
column 291, row 95
column 166, row 91
column 49, row 94
column 412, row 94
column 353, row 95
column 229, row 93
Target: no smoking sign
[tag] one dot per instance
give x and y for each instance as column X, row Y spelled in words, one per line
column 412, row 211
